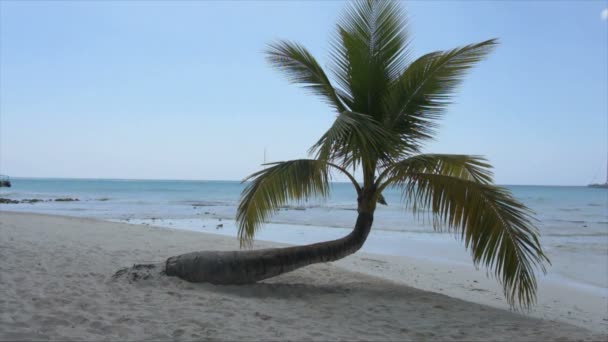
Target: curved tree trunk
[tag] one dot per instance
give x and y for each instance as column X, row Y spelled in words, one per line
column 243, row 267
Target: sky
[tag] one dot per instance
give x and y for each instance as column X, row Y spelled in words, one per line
column 181, row 90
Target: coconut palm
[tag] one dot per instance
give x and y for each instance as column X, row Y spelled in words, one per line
column 387, row 106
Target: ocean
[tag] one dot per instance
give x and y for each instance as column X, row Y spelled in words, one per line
column 573, row 221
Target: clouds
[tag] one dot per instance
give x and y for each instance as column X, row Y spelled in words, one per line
column 604, row 14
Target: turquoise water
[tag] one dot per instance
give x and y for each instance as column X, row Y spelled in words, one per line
column 573, row 221
column 569, row 211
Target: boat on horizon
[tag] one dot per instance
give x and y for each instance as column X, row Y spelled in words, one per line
column 599, row 185
column 5, row 182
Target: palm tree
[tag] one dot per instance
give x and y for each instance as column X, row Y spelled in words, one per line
column 386, row 106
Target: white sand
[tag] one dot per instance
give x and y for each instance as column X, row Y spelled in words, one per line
column 56, row 283
column 452, row 274
column 556, row 301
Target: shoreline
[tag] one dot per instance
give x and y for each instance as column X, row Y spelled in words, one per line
column 573, row 263
column 453, row 274
column 391, row 243
column 441, row 280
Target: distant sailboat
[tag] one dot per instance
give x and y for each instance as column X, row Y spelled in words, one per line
column 264, row 163
column 601, row 186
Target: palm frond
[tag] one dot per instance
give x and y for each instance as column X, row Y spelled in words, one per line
column 421, row 94
column 269, row 189
column 353, row 139
column 497, row 228
column 462, row 166
column 302, row 68
column 369, row 52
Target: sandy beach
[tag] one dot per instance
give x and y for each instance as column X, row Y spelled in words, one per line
column 56, row 280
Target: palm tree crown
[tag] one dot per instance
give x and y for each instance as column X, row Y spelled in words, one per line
column 387, row 105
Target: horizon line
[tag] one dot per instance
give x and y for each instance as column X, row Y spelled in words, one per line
column 232, row 180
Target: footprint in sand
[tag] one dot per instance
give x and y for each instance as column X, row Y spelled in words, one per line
column 178, row 333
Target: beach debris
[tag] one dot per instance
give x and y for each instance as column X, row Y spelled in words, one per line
column 8, row 201
column 66, row 199
column 262, row 316
column 138, row 272
column 219, row 226
column 374, row 260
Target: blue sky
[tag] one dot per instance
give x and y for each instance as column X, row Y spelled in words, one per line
column 180, row 90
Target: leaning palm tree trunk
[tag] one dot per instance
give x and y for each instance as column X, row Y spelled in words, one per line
column 250, row 266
